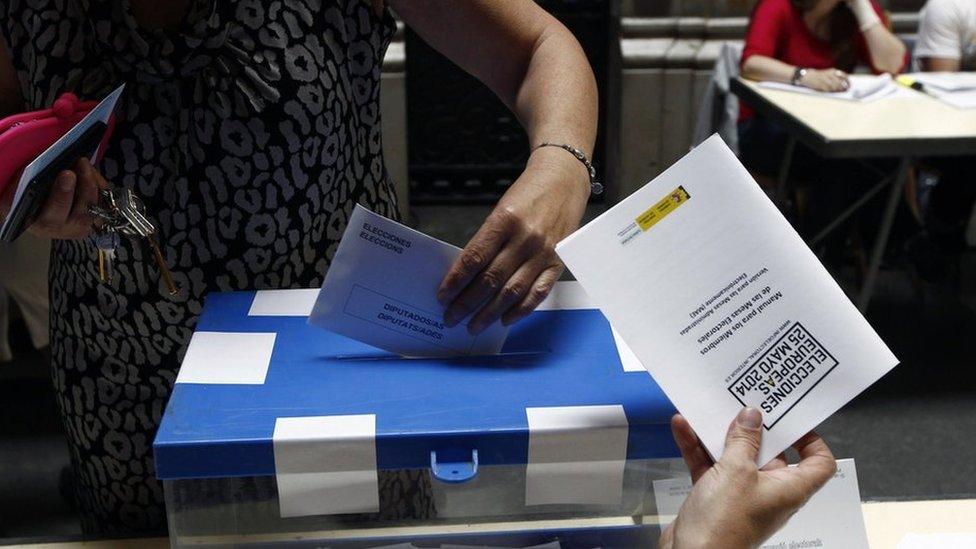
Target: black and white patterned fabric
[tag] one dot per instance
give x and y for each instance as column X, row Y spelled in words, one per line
column 250, row 133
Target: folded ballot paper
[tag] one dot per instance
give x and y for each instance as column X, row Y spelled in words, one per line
column 724, row 304
column 381, row 289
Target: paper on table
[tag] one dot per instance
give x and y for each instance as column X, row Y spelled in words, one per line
column 831, row 518
column 864, row 88
column 381, row 289
column 101, row 113
column 956, row 89
column 724, row 304
column 946, row 81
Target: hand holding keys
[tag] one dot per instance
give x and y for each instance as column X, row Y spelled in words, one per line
column 122, row 212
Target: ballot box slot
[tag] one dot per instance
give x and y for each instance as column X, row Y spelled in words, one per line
column 386, row 356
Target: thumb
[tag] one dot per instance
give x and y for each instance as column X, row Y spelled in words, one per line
column 745, row 434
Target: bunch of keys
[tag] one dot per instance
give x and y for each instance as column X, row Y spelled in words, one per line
column 121, row 212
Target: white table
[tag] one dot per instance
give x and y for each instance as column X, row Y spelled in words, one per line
column 906, row 126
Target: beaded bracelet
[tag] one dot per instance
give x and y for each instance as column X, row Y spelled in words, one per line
column 595, row 186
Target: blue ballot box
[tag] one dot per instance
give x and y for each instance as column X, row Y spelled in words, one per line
column 280, row 432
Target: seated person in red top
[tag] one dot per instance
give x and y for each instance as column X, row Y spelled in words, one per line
column 815, row 43
column 811, row 43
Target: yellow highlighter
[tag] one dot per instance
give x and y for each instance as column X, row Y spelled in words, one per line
column 910, row 82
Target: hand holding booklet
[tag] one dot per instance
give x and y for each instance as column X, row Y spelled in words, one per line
column 725, row 305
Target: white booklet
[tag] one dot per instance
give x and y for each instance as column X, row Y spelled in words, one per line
column 725, row 305
column 831, row 518
column 863, row 88
column 381, row 289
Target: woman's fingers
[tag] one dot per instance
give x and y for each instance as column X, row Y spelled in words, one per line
column 50, row 221
column 477, row 255
column 513, row 292
column 843, row 81
column 89, row 181
column 88, row 172
column 484, row 287
column 696, row 459
column 501, row 271
column 65, row 213
column 536, row 295
column 836, row 83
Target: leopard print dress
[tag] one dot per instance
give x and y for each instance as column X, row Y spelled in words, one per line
column 250, row 133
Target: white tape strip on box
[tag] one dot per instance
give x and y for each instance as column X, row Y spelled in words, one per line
column 283, row 302
column 577, row 455
column 326, row 465
column 227, row 358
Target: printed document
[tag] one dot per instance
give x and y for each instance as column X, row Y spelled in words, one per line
column 725, row 305
column 832, row 517
column 382, row 290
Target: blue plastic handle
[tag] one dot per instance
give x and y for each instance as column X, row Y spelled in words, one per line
column 454, row 472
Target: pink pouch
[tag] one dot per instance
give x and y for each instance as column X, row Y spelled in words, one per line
column 25, row 136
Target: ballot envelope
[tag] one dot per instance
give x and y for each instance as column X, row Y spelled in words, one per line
column 279, row 431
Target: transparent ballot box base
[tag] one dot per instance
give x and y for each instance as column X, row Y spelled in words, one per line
column 490, row 510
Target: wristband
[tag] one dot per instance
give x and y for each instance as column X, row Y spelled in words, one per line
column 595, row 186
column 864, row 14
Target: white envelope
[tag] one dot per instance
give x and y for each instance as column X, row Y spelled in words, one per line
column 725, row 305
column 381, row 289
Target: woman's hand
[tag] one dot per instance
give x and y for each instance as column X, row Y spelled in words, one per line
column 825, row 80
column 538, row 69
column 65, row 213
column 733, row 503
column 510, row 264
